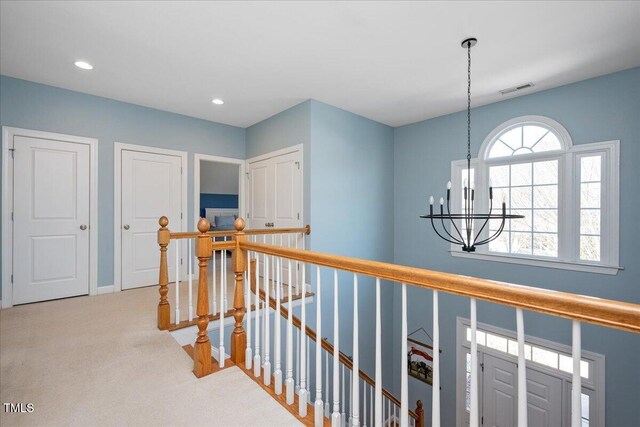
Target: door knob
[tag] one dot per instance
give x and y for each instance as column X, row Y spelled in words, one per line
column 126, row 226
column 83, row 227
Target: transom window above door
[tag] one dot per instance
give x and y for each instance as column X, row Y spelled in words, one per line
column 568, row 195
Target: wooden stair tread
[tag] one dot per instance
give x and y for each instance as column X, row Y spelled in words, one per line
column 215, row 365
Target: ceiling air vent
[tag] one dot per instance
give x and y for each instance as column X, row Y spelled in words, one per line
column 516, row 88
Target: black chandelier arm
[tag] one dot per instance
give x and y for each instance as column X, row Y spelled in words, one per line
column 453, row 222
column 442, row 237
column 444, row 227
column 495, row 235
column 486, row 221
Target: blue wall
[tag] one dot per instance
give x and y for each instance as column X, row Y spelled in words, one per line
column 600, row 109
column 207, row 200
column 30, row 105
column 348, row 178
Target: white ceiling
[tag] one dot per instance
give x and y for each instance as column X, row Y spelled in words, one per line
column 394, row 62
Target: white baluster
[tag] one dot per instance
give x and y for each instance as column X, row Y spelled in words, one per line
column 289, row 384
column 214, row 305
column 318, row 403
column 522, row 371
column 278, row 368
column 389, row 414
column 297, row 355
column 335, row 415
column 307, row 346
column 404, row 375
column 265, row 305
column 350, row 388
column 266, row 367
column 327, row 406
column 343, row 414
column 355, row 400
column 378, row 420
column 576, row 380
column 190, row 261
column 371, row 421
column 256, row 358
column 248, row 356
column 223, row 268
column 364, row 403
column 223, row 305
column 177, row 281
column 435, row 394
column 302, row 398
column 297, row 264
column 474, row 412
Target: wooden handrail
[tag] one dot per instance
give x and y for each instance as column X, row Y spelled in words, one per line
column 326, row 345
column 257, row 231
column 610, row 313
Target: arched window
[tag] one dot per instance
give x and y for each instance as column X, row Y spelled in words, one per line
column 563, row 192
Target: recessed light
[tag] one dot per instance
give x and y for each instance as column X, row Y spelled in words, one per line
column 84, row 65
column 217, row 101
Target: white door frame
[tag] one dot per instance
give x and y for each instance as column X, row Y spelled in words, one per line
column 197, row 158
column 595, row 382
column 282, row 151
column 8, row 134
column 118, row 147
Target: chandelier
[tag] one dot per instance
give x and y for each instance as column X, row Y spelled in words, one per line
column 467, row 238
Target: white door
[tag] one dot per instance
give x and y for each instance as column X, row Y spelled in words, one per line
column 51, row 219
column 275, row 199
column 151, row 188
column 500, row 395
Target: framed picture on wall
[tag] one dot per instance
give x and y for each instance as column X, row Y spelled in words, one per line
column 420, row 358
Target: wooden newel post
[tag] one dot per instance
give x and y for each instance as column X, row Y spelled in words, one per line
column 164, row 313
column 202, row 350
column 239, row 261
column 420, row 414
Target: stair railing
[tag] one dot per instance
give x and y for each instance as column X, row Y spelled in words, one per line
column 577, row 308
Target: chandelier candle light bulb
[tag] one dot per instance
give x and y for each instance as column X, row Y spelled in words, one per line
column 467, row 218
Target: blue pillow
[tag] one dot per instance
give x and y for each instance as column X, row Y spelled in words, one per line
column 225, row 221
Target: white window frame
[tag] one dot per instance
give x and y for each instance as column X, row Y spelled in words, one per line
column 568, row 197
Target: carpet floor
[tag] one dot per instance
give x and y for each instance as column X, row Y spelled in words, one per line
column 101, row 361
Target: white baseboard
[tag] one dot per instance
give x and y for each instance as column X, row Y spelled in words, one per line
column 105, row 290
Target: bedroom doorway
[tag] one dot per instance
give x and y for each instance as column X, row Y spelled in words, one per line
column 218, row 190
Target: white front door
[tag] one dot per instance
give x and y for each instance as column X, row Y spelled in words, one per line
column 51, row 219
column 151, row 188
column 500, row 395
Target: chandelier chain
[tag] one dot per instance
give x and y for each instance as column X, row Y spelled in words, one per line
column 469, row 103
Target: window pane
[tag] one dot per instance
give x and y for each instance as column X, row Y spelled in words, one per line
column 548, row 143
column 545, row 196
column 533, row 134
column 545, row 244
column 501, row 243
column 496, row 342
column 590, row 221
column 590, row 248
column 545, row 220
column 499, row 176
column 521, row 174
column 521, row 197
column 590, row 195
column 500, row 194
column 585, row 407
column 513, row 347
column 521, row 224
column 521, row 243
column 513, row 138
column 500, row 149
column 590, row 168
column 545, row 172
column 545, row 357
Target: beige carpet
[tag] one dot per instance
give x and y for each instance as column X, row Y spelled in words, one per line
column 93, row 361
